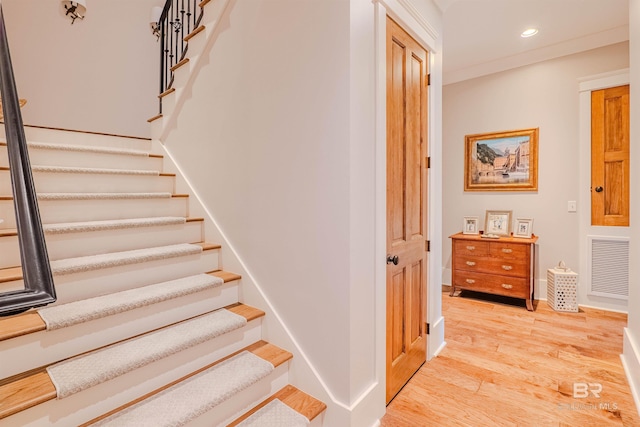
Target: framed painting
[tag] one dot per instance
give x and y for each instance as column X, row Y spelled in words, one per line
column 501, row 161
column 470, row 225
column 524, row 228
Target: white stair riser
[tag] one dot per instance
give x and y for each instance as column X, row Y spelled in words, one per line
column 76, row 286
column 95, row 401
column 77, row 339
column 50, row 182
column 181, row 76
column 80, row 159
column 60, row 211
column 71, row 245
column 72, row 287
column 247, row 398
column 82, row 138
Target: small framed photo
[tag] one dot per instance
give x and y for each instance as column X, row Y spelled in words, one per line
column 524, row 228
column 470, row 225
column 497, row 223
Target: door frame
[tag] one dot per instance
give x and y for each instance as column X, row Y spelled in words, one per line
column 587, row 85
column 422, row 31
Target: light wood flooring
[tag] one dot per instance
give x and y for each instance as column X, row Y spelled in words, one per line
column 506, row 366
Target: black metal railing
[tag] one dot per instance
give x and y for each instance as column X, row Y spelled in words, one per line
column 38, row 289
column 178, row 19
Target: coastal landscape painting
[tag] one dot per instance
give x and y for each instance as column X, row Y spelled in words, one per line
column 502, row 161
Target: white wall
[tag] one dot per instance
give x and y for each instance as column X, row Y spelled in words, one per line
column 278, row 138
column 543, row 95
column 631, row 355
column 99, row 74
column 265, row 139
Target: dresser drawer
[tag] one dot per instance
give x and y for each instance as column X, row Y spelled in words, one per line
column 509, row 286
column 505, row 267
column 471, row 248
column 509, row 250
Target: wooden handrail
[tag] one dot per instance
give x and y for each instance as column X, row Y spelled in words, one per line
column 38, row 289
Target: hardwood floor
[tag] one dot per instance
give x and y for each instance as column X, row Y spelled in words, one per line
column 506, row 366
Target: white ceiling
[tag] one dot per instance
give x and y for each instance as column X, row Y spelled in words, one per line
column 483, row 36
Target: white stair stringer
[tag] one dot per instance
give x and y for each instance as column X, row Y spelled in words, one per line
column 95, row 237
column 93, row 279
column 80, row 338
column 99, row 399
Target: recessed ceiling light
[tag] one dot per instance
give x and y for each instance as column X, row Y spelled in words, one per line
column 529, row 32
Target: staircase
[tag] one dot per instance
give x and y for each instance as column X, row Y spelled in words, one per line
column 148, row 328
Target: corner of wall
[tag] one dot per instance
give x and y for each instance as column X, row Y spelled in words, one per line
column 631, row 362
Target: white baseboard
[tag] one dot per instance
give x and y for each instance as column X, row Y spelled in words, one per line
column 631, row 362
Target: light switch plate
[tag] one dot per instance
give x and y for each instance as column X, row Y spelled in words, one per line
column 572, row 206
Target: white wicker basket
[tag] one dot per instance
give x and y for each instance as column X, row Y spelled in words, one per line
column 562, row 289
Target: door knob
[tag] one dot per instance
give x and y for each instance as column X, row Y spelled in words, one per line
column 599, row 189
column 392, row 259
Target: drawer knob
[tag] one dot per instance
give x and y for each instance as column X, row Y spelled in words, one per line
column 471, row 263
column 471, row 248
column 470, row 281
column 507, row 250
column 507, row 286
column 507, row 267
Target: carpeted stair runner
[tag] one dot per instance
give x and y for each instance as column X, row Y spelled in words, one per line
column 116, row 224
column 95, row 262
column 193, row 397
column 73, row 313
column 79, row 373
column 92, row 149
column 275, row 414
column 102, row 196
column 66, row 169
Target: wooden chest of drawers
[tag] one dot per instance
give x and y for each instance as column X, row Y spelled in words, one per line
column 501, row 266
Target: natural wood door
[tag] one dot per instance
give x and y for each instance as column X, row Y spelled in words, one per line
column 406, row 206
column 610, row 156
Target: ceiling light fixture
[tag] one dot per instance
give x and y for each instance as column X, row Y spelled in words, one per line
column 529, row 32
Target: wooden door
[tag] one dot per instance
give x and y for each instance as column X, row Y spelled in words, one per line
column 406, row 207
column 610, row 156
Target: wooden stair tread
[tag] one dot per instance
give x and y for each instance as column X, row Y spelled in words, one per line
column 31, row 322
column 193, row 33
column 8, row 232
column 10, row 274
column 27, row 390
column 167, row 92
column 299, row 401
column 225, row 275
column 179, row 64
column 263, row 349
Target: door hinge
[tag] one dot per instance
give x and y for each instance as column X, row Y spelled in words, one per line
column 429, row 79
column 427, row 245
column 429, row 162
column 427, row 328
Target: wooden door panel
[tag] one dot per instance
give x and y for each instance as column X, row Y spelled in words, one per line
column 610, row 156
column 396, row 154
column 406, row 206
column 395, row 317
column 415, row 318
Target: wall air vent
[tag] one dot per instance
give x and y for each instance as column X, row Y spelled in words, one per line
column 609, row 266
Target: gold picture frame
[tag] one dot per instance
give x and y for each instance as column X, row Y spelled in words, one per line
column 497, row 223
column 501, row 161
